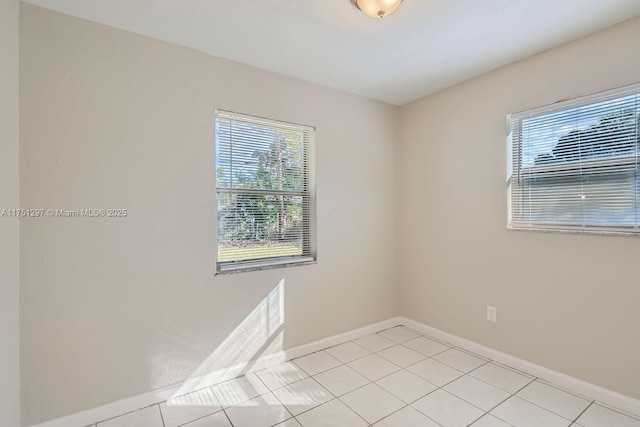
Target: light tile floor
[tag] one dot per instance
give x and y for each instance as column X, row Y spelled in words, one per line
column 395, row 378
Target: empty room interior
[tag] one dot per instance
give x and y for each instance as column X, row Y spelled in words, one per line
column 345, row 213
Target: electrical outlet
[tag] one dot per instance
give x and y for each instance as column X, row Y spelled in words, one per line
column 492, row 314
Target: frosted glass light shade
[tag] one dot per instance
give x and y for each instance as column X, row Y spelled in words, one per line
column 378, row 8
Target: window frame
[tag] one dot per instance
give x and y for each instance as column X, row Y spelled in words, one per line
column 569, row 169
column 309, row 191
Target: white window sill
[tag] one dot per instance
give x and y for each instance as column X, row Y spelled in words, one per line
column 266, row 264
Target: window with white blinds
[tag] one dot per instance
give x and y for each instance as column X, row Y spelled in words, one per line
column 574, row 165
column 265, row 193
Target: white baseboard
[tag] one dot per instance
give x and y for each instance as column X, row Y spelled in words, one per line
column 331, row 341
column 110, row 410
column 592, row 391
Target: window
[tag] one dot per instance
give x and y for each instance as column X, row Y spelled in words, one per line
column 265, row 192
column 574, row 165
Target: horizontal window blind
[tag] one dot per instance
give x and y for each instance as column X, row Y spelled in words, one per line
column 265, row 192
column 574, row 165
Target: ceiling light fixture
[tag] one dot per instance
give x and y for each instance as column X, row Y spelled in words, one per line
column 377, row 8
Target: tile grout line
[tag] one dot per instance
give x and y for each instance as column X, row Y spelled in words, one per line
column 340, row 401
column 129, row 412
column 227, row 416
column 633, row 416
column 547, row 383
column 509, row 397
column 408, row 405
column 307, row 410
column 492, row 362
column 162, row 416
column 581, row 413
column 357, row 358
column 512, row 369
column 547, row 409
column 354, row 411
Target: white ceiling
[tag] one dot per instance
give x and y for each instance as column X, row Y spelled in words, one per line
column 425, row 46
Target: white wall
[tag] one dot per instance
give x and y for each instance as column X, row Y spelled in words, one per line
column 9, row 344
column 115, row 307
column 568, row 302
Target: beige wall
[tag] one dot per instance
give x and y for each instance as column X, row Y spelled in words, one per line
column 568, row 302
column 116, row 307
column 9, row 367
